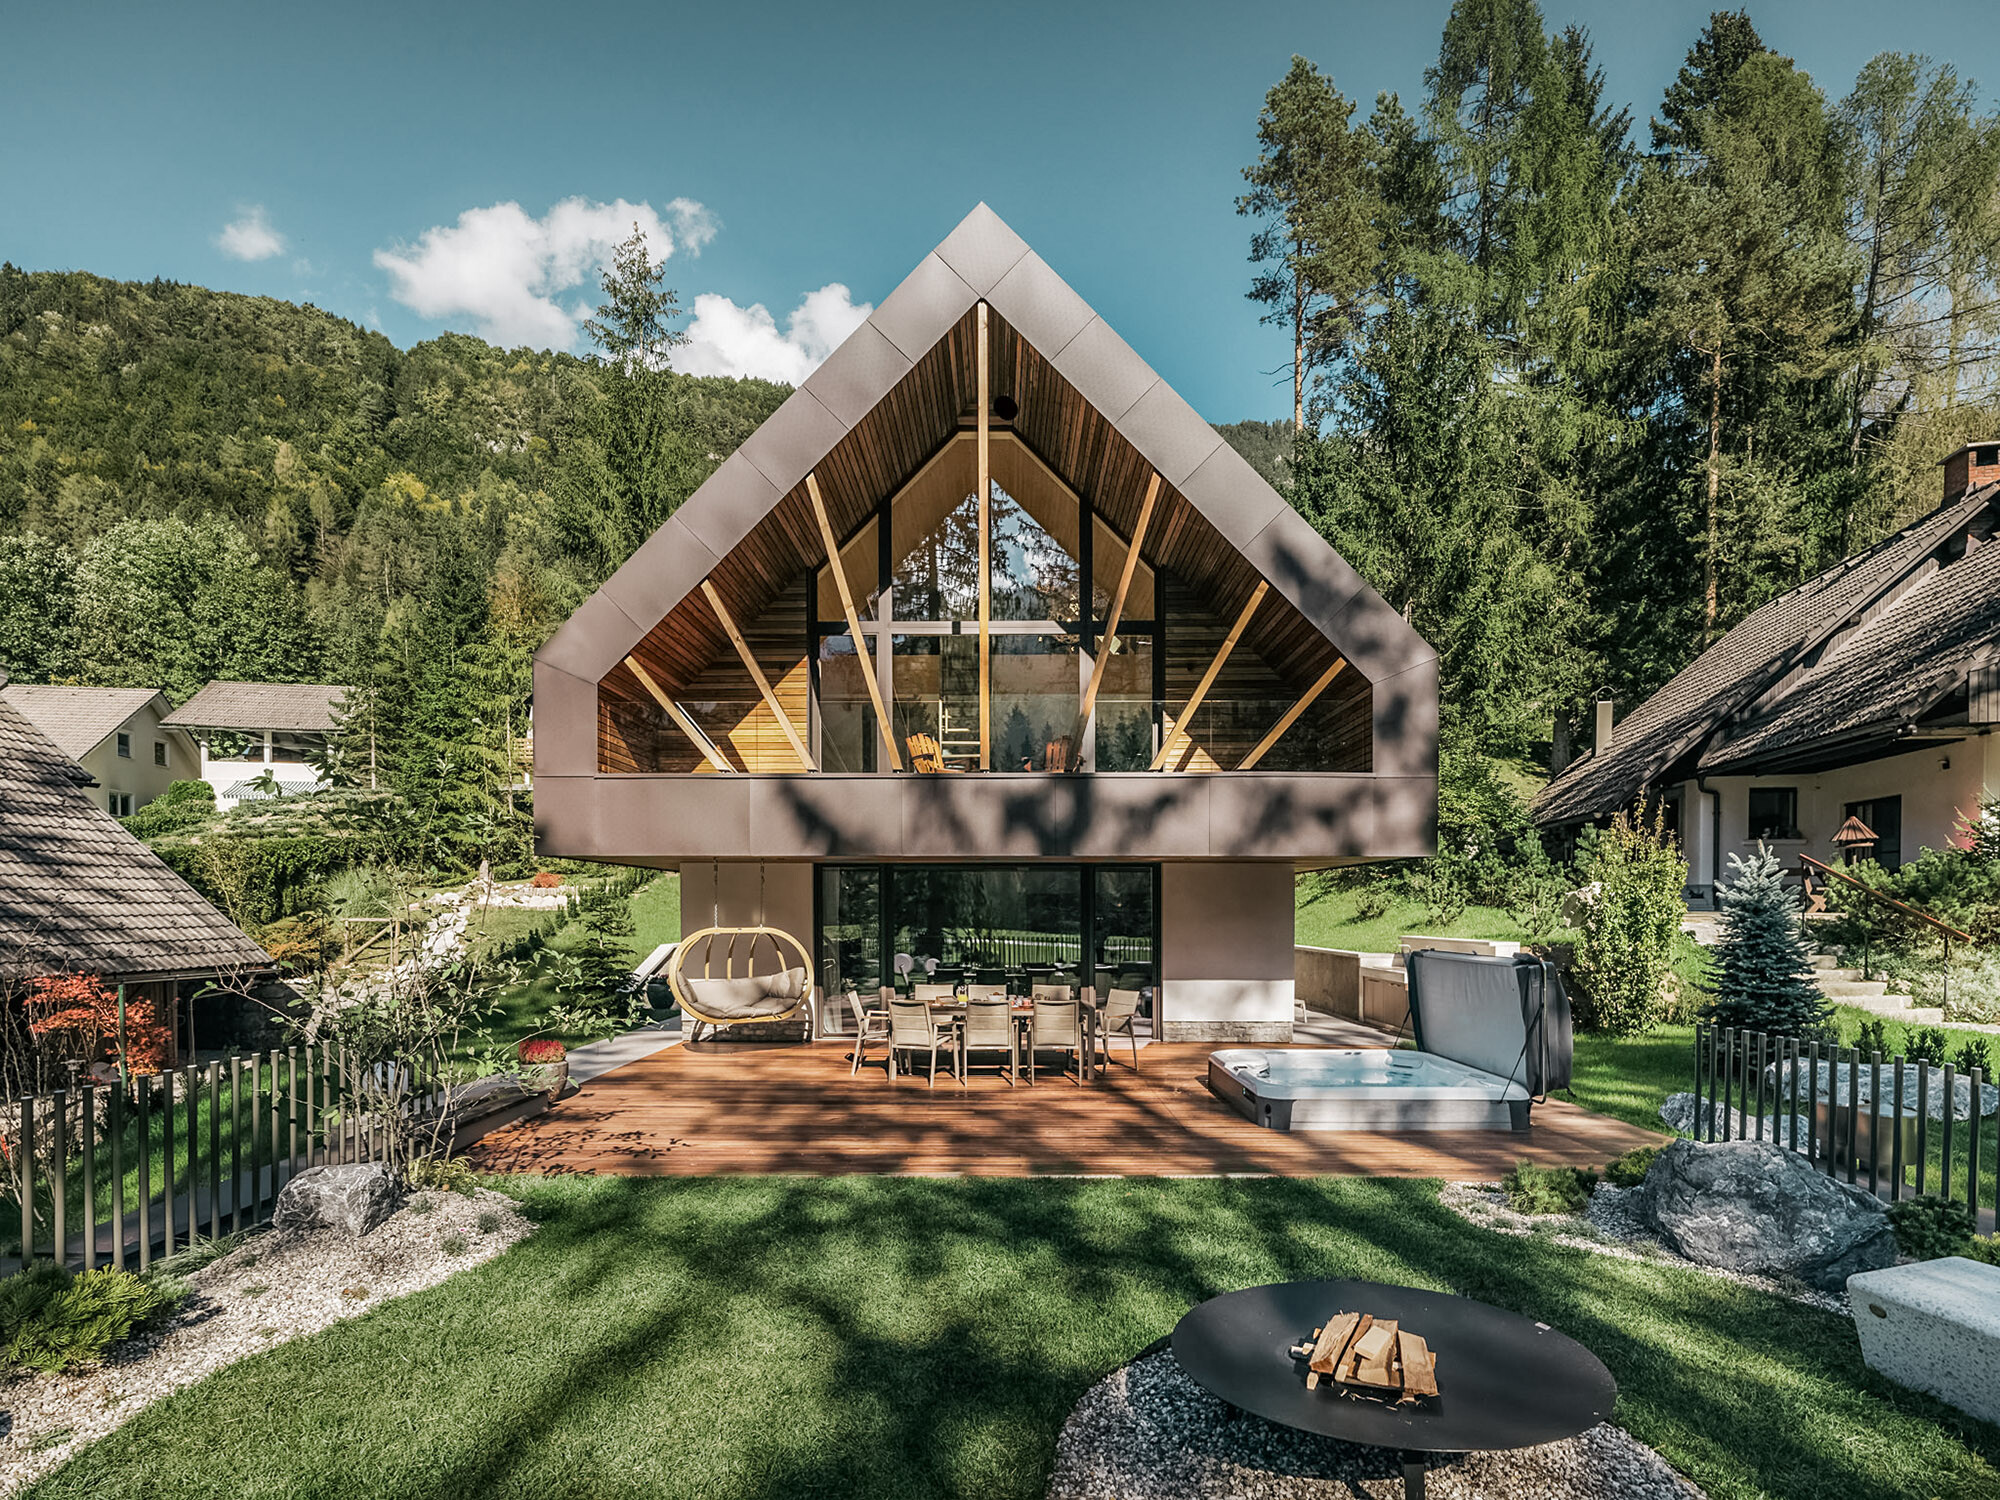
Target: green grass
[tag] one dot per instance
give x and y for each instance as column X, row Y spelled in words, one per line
column 1330, row 922
column 727, row 1338
column 656, row 913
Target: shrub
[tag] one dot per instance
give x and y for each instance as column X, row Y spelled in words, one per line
column 446, row 1174
column 1627, row 943
column 1631, row 1168
column 1973, row 1054
column 455, row 1244
column 1547, row 1190
column 1925, row 1044
column 1765, row 980
column 546, row 880
column 53, row 1321
column 1872, row 1036
column 1930, row 1227
column 183, row 805
column 1983, row 1247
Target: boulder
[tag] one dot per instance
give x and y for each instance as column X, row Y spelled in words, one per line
column 1682, row 1118
column 1754, row 1206
column 1832, row 1080
column 355, row 1197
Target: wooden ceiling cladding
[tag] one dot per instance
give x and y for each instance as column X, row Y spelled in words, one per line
column 888, row 447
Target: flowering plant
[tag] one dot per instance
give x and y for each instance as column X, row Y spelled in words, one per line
column 541, row 1049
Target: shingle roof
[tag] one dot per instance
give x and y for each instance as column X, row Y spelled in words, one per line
column 78, row 894
column 1918, row 651
column 77, row 719
column 260, row 705
column 1730, row 674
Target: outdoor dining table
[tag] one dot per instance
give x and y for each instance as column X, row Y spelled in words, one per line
column 1024, row 1020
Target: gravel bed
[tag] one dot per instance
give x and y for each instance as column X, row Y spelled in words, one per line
column 1147, row 1432
column 274, row 1287
column 1610, row 1225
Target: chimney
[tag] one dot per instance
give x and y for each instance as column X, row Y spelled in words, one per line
column 1970, row 467
column 1604, row 708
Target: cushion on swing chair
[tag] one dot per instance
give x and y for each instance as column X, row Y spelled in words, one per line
column 758, row 997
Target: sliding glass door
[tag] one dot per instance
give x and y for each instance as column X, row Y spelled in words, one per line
column 1012, row 924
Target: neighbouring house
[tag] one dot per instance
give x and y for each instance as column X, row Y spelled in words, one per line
column 260, row 740
column 81, row 895
column 1870, row 693
column 119, row 735
column 986, row 651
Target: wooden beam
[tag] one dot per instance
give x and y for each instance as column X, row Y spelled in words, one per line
column 757, row 675
column 679, row 715
column 1208, row 677
column 1111, row 620
column 1292, row 715
column 985, row 551
column 854, row 624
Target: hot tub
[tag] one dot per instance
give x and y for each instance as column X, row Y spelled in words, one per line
column 1363, row 1089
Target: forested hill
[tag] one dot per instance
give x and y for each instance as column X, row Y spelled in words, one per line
column 197, row 484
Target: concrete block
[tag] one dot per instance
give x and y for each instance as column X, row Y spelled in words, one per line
column 1934, row 1327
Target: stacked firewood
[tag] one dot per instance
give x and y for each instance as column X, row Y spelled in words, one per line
column 1369, row 1356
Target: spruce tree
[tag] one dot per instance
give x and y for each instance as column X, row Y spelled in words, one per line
column 1766, row 979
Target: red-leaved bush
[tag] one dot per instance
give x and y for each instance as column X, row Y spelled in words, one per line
column 84, row 1007
column 545, row 880
column 541, row 1049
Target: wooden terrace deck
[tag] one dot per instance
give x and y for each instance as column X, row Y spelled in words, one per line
column 765, row 1108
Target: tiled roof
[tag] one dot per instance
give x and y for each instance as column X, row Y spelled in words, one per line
column 260, row 705
column 79, row 894
column 1730, row 674
column 1916, row 652
column 77, row 719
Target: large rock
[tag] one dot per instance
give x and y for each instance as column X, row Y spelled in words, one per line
column 1754, row 1206
column 355, row 1197
column 1832, row 1080
column 1684, row 1119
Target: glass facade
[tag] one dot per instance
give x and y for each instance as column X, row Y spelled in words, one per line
column 1010, row 924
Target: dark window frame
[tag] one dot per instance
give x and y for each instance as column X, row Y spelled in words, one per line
column 1783, row 828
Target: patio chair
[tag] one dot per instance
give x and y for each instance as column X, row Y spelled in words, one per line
column 926, row 755
column 1117, row 1018
column 1056, row 756
column 1057, row 1027
column 912, row 1028
column 869, row 1026
column 989, row 1027
column 986, row 992
column 933, row 994
column 1055, row 992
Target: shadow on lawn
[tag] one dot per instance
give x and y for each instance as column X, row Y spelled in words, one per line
column 901, row 1337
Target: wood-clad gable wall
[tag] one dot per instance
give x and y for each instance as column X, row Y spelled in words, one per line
column 765, row 577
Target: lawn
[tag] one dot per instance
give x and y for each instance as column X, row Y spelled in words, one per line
column 1330, row 921
column 725, row 1338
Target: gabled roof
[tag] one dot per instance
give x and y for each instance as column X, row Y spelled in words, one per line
column 79, row 894
column 78, row 719
column 298, row 706
column 1758, row 689
column 1098, row 402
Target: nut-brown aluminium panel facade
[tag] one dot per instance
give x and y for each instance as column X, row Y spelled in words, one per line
column 742, row 522
column 1307, row 818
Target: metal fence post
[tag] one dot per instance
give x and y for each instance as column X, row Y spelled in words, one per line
column 59, row 1177
column 87, row 1125
column 1923, row 1121
column 1950, row 1119
column 1896, row 1136
column 215, row 1150
column 235, row 1143
column 1977, row 1077
column 25, row 1147
column 144, row 1099
column 115, row 1126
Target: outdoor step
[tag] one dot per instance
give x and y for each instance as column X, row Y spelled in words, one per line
column 1831, row 975
column 1853, row 990
column 1826, row 960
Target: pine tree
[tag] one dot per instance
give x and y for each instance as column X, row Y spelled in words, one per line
column 1765, row 976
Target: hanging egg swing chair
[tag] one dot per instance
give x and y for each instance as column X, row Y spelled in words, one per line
column 739, row 994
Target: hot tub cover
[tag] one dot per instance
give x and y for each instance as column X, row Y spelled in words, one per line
column 1505, row 1016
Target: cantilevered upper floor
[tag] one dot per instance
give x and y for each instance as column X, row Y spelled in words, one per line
column 985, row 587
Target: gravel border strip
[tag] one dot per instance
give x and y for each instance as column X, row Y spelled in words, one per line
column 1148, row 1432
column 277, row 1286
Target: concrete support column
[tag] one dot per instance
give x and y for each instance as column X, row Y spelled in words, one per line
column 1226, row 960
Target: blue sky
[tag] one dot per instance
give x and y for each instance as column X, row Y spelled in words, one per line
column 807, row 147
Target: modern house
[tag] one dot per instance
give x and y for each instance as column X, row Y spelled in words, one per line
column 80, row 895
column 246, row 729
column 985, row 650
column 1870, row 692
column 119, row 735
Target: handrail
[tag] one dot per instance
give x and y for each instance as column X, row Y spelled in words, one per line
column 1911, row 911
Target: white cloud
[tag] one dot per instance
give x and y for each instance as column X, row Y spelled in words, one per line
column 249, row 236
column 505, row 270
column 725, row 339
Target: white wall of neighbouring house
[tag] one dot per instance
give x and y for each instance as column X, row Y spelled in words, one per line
column 138, row 774
column 1227, row 962
column 1938, row 784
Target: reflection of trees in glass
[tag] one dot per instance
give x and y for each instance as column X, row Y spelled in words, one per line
column 1034, row 576
column 851, row 937
column 1124, row 737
